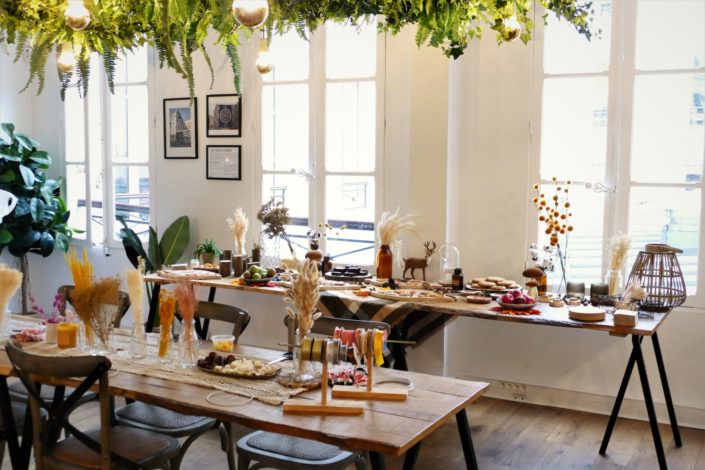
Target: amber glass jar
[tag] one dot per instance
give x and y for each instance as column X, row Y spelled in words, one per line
column 384, row 262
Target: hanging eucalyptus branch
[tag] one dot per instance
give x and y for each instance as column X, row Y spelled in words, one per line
column 178, row 28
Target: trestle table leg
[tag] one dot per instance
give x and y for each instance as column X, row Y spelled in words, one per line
column 466, row 440
column 667, row 392
column 377, row 461
column 412, row 455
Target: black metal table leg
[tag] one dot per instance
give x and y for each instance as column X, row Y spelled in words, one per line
column 464, row 430
column 666, row 391
column 17, row 456
column 398, row 350
column 618, row 402
column 153, row 305
column 377, row 461
column 641, row 367
column 412, row 455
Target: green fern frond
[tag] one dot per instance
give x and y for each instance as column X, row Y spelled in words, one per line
column 109, row 58
column 84, row 71
column 21, row 44
column 210, row 65
column 37, row 60
column 234, row 56
column 187, row 65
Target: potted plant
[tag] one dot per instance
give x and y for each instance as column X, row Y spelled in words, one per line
column 207, row 251
column 38, row 221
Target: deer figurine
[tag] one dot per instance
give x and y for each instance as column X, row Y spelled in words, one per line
column 419, row 263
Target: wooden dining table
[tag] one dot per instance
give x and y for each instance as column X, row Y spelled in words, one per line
column 385, row 428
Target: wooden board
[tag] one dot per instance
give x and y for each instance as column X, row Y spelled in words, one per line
column 333, row 407
column 360, row 393
column 586, row 313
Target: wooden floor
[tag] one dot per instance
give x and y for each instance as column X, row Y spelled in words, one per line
column 508, row 435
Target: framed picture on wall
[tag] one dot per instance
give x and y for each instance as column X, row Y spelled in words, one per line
column 180, row 128
column 223, row 162
column 224, row 115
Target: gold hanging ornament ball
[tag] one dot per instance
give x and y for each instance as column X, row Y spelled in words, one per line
column 251, row 13
column 264, row 64
column 77, row 15
column 512, row 29
column 66, row 61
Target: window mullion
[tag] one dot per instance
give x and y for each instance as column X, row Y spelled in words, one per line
column 107, row 173
column 317, row 149
column 87, row 169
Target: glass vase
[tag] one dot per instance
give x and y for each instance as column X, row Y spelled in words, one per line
column 384, row 262
column 304, row 369
column 614, row 282
column 102, row 323
column 138, row 342
column 188, row 346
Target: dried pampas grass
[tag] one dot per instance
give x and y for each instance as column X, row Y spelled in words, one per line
column 238, row 225
column 391, row 226
column 618, row 250
column 10, row 281
column 304, row 294
column 135, row 289
column 82, row 272
column 188, row 303
column 88, row 303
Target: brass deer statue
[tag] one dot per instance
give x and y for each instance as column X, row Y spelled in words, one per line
column 419, row 263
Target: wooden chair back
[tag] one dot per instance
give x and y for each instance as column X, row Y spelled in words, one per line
column 238, row 317
column 33, row 370
column 123, row 304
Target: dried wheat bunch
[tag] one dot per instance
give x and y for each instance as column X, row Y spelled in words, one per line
column 185, row 295
column 82, row 272
column 304, row 294
column 391, row 226
column 88, row 301
column 618, row 250
column 238, row 224
column 135, row 289
column 10, row 281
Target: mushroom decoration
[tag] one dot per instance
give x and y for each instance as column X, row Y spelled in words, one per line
column 537, row 282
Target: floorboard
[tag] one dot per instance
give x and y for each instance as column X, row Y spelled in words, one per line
column 507, row 436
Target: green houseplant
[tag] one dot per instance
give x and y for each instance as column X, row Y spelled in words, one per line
column 207, row 251
column 39, row 221
column 165, row 251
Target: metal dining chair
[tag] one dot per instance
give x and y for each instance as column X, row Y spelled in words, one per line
column 105, row 447
column 272, row 450
column 154, row 418
column 17, row 389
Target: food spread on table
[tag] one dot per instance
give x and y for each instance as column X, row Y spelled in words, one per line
column 189, row 274
column 493, row 283
column 237, row 366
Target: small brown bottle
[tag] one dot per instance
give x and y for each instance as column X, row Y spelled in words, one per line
column 458, row 282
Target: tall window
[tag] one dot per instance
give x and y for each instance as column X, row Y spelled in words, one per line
column 107, row 147
column 625, row 115
column 320, row 129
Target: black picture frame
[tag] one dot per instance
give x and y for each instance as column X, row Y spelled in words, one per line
column 175, row 139
column 225, row 117
column 215, row 169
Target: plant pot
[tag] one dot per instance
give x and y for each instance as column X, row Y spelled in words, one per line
column 207, row 258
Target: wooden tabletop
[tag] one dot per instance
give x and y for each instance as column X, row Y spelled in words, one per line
column 550, row 316
column 387, row 427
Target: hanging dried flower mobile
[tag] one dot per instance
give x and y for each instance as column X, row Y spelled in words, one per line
column 555, row 211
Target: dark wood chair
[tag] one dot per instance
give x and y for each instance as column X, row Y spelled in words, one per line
column 18, row 413
column 161, row 420
column 106, row 447
column 17, row 389
column 272, row 450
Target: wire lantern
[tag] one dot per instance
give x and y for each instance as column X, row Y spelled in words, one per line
column 657, row 270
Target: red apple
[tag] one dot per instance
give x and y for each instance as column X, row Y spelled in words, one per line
column 516, row 293
column 507, row 299
column 520, row 301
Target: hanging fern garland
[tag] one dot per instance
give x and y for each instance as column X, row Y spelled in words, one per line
column 178, row 28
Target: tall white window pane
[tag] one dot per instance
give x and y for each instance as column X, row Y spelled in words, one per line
column 132, row 68
column 670, row 34
column 667, row 215
column 285, row 142
column 131, row 193
column 668, row 126
column 350, row 126
column 76, row 197
column 350, row 201
column 130, row 124
column 351, row 51
column 74, row 134
column 293, row 192
column 289, row 54
column 585, row 242
column 566, row 51
column 574, row 128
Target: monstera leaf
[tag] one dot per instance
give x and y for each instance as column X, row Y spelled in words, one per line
column 168, row 250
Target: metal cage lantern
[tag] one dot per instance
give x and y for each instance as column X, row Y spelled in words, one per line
column 657, row 270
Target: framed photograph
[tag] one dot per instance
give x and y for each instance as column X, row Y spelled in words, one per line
column 223, row 162
column 180, row 128
column 224, row 115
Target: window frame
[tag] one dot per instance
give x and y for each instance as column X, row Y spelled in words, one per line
column 621, row 76
column 110, row 225
column 317, row 82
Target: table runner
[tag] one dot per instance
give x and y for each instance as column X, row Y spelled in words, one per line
column 419, row 326
column 266, row 391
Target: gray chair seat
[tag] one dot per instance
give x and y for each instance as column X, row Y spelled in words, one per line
column 143, row 415
column 146, row 449
column 18, row 412
column 273, row 450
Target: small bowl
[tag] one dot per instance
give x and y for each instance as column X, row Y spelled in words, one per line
column 517, row 306
column 223, row 343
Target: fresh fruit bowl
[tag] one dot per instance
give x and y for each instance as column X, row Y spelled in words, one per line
column 516, row 306
column 263, row 280
column 258, row 275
